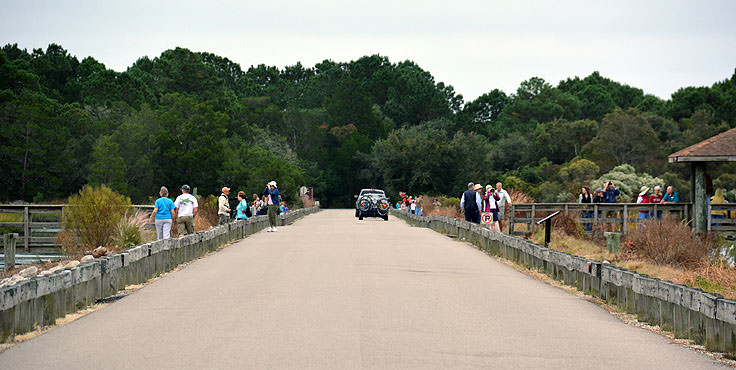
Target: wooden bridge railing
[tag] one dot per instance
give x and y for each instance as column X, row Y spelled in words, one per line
column 592, row 216
column 722, row 217
column 36, row 224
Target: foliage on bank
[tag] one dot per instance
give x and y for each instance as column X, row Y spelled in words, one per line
column 200, row 119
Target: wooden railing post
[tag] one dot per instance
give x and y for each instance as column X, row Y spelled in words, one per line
column 9, row 250
column 511, row 220
column 625, row 228
column 26, row 229
column 531, row 223
column 596, row 221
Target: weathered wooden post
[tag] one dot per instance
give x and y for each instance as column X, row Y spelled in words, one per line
column 27, row 229
column 9, row 250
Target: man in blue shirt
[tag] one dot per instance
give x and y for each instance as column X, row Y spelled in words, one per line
column 670, row 197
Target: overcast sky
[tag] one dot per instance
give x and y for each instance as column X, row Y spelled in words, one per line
column 475, row 46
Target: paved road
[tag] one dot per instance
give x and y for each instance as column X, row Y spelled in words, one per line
column 332, row 292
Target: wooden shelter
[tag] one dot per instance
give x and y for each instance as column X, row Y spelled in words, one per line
column 719, row 148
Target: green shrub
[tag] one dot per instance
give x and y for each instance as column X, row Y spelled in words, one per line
column 628, row 181
column 94, row 214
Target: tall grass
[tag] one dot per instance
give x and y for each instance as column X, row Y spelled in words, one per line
column 129, row 229
column 670, row 242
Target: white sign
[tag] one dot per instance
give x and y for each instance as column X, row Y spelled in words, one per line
column 486, row 218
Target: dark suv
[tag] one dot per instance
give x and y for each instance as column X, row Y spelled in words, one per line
column 372, row 203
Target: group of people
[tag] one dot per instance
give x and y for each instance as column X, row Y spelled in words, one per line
column 411, row 204
column 608, row 194
column 181, row 212
column 493, row 201
column 269, row 203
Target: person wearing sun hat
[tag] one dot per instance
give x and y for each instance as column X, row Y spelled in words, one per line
column 643, row 198
column 272, row 199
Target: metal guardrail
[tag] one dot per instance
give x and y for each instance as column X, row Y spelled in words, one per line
column 36, row 224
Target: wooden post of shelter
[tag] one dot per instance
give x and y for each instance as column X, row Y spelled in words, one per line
column 719, row 148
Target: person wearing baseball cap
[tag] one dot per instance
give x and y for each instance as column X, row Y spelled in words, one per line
column 187, row 205
column 272, row 199
column 223, row 206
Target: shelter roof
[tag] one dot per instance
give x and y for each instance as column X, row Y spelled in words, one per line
column 719, row 148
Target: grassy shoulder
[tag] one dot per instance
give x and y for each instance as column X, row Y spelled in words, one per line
column 710, row 277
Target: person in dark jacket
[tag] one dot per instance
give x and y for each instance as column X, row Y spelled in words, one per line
column 586, row 198
column 471, row 204
column 272, row 200
column 609, row 196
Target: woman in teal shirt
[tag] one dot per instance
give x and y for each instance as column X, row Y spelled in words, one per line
column 164, row 212
column 242, row 207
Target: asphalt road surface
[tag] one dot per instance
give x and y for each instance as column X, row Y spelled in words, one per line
column 332, row 292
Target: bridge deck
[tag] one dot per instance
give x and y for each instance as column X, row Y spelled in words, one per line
column 332, row 292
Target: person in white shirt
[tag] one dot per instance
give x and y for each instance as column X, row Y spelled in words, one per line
column 504, row 199
column 187, row 206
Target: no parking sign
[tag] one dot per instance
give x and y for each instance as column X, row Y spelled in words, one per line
column 486, row 218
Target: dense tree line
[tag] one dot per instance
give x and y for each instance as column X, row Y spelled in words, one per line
column 198, row 118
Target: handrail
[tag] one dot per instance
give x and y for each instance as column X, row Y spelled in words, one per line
column 621, row 215
column 46, row 242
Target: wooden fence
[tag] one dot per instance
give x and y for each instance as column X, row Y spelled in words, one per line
column 722, row 217
column 622, row 216
column 36, row 224
column 593, row 216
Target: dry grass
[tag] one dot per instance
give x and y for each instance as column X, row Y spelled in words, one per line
column 574, row 245
column 710, row 277
column 669, row 242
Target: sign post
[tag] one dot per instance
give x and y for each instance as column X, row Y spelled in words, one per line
column 547, row 227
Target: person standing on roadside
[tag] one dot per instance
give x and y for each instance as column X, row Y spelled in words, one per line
column 490, row 205
column 241, row 209
column 223, row 206
column 164, row 211
column 504, row 199
column 470, row 202
column 272, row 199
column 186, row 205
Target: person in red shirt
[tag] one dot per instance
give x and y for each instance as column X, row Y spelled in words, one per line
column 656, row 198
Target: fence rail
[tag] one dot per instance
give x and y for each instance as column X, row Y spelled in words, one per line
column 593, row 216
column 36, row 224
